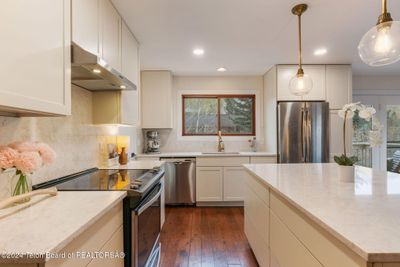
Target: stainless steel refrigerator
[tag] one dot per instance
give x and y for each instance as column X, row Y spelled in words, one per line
column 303, row 132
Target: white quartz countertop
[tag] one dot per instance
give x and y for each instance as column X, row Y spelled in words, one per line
column 47, row 224
column 211, row 154
column 136, row 165
column 364, row 215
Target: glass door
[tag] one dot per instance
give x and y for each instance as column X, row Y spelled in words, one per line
column 393, row 138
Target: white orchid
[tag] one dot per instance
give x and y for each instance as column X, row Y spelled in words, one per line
column 367, row 113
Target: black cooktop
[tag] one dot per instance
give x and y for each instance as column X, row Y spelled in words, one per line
column 136, row 182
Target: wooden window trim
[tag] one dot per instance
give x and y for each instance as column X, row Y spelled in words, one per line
column 218, row 97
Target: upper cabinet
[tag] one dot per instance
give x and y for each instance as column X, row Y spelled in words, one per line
column 130, row 55
column 35, row 57
column 287, row 72
column 156, row 99
column 338, row 85
column 110, row 34
column 99, row 29
column 331, row 83
column 85, row 24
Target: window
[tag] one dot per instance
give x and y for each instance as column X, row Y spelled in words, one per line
column 207, row 114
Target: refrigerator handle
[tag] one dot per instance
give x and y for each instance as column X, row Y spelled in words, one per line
column 307, row 136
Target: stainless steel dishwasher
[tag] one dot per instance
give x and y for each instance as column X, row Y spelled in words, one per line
column 180, row 181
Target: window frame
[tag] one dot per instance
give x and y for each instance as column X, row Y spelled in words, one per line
column 218, row 97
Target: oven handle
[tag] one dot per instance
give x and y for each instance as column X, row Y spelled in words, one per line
column 149, row 203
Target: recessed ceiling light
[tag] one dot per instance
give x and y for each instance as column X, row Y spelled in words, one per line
column 222, row 69
column 96, row 71
column 320, row 51
column 122, row 86
column 198, row 51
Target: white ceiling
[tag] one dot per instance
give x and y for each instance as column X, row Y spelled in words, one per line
column 249, row 36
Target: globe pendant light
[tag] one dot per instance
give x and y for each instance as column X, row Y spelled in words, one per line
column 380, row 46
column 301, row 84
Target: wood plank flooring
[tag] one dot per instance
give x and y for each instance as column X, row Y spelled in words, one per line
column 205, row 236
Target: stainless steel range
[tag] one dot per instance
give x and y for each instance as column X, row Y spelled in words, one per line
column 142, row 207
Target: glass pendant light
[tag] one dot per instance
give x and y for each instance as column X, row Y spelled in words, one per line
column 301, row 84
column 380, row 46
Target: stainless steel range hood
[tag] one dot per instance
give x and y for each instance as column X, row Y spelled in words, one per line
column 93, row 73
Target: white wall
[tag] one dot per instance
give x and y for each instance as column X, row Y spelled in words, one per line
column 172, row 140
column 77, row 142
column 376, row 83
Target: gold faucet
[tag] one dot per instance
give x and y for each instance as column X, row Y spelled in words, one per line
column 221, row 146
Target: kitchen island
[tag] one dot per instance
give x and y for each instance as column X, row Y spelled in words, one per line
column 303, row 215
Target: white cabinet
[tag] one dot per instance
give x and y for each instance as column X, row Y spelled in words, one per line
column 233, row 183
column 110, row 34
column 287, row 72
column 85, row 24
column 35, row 57
column 338, row 85
column 129, row 55
column 209, row 184
column 156, row 92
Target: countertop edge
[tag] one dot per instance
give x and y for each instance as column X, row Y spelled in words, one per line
column 201, row 155
column 370, row 257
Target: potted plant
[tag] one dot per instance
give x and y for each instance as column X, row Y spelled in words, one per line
column 346, row 162
column 17, row 163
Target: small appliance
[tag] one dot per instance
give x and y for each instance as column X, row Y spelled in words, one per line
column 152, row 142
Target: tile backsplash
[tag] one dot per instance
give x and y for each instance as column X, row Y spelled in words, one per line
column 76, row 141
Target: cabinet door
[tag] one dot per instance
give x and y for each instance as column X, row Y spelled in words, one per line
column 336, row 136
column 130, row 55
column 338, row 85
column 209, row 182
column 110, row 34
column 114, row 245
column 284, row 243
column 130, row 69
column 156, row 92
column 287, row 72
column 234, row 183
column 85, row 24
column 317, row 74
column 35, row 57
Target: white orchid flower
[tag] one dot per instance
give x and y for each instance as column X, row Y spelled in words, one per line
column 352, row 106
column 367, row 113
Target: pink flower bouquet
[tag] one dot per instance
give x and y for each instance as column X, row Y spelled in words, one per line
column 26, row 158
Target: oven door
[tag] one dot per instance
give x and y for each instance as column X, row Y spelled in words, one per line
column 146, row 225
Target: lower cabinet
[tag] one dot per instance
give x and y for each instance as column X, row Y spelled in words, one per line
column 233, row 183
column 214, row 184
column 209, row 183
column 105, row 235
column 287, row 250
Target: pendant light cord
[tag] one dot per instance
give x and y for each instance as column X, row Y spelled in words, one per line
column 300, row 50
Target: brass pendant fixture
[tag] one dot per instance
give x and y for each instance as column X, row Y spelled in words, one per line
column 380, row 46
column 301, row 84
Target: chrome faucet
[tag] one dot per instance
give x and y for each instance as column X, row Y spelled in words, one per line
column 221, row 146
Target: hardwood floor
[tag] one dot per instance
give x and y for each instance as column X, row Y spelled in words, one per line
column 204, row 236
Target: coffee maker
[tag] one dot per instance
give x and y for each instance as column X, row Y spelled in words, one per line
column 152, row 142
